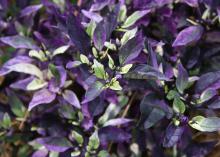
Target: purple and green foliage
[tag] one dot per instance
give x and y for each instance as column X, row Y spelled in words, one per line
column 109, row 78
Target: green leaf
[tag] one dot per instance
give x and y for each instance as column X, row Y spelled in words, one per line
column 24, row 151
column 54, row 71
column 103, row 153
column 60, row 50
column 128, row 35
column 94, row 52
column 178, row 105
column 84, row 59
column 94, row 141
column 116, row 86
column 36, row 84
column 17, row 107
column 77, row 137
column 122, row 13
column 6, row 121
column 27, row 68
column 54, row 154
column 125, row 69
column 34, row 144
column 80, row 116
column 91, row 28
column 75, row 153
column 176, row 122
column 111, row 63
column 87, row 154
column 209, row 124
column 110, row 46
column 99, row 70
column 134, row 17
column 38, row 54
column 172, row 94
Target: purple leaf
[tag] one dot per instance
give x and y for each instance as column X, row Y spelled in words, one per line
column 182, row 79
column 218, row 11
column 172, row 135
column 77, row 34
column 154, row 117
column 27, row 68
column 110, row 22
column 98, row 5
column 163, row 2
column 4, row 4
column 152, row 110
column 117, row 121
column 93, row 16
column 213, row 36
column 195, row 149
column 40, row 153
column 99, row 36
column 207, row 95
column 215, row 104
column 143, row 71
column 192, row 3
column 30, row 9
column 97, row 106
column 62, row 74
column 44, row 96
column 57, row 144
column 153, row 55
column 192, row 58
column 89, row 81
column 93, row 91
column 18, row 41
column 131, row 49
column 59, row 79
column 145, row 4
column 168, row 70
column 112, row 134
column 208, row 80
column 16, row 60
column 73, row 64
column 188, row 35
column 87, row 123
column 71, row 98
column 133, row 18
column 22, row 84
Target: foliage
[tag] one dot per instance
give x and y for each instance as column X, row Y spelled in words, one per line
column 107, row 78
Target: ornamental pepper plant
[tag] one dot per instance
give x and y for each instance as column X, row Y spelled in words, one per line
column 109, row 78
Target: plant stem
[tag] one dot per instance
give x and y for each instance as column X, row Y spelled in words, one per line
column 128, row 105
column 21, row 126
column 79, row 3
column 174, row 151
column 124, row 115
